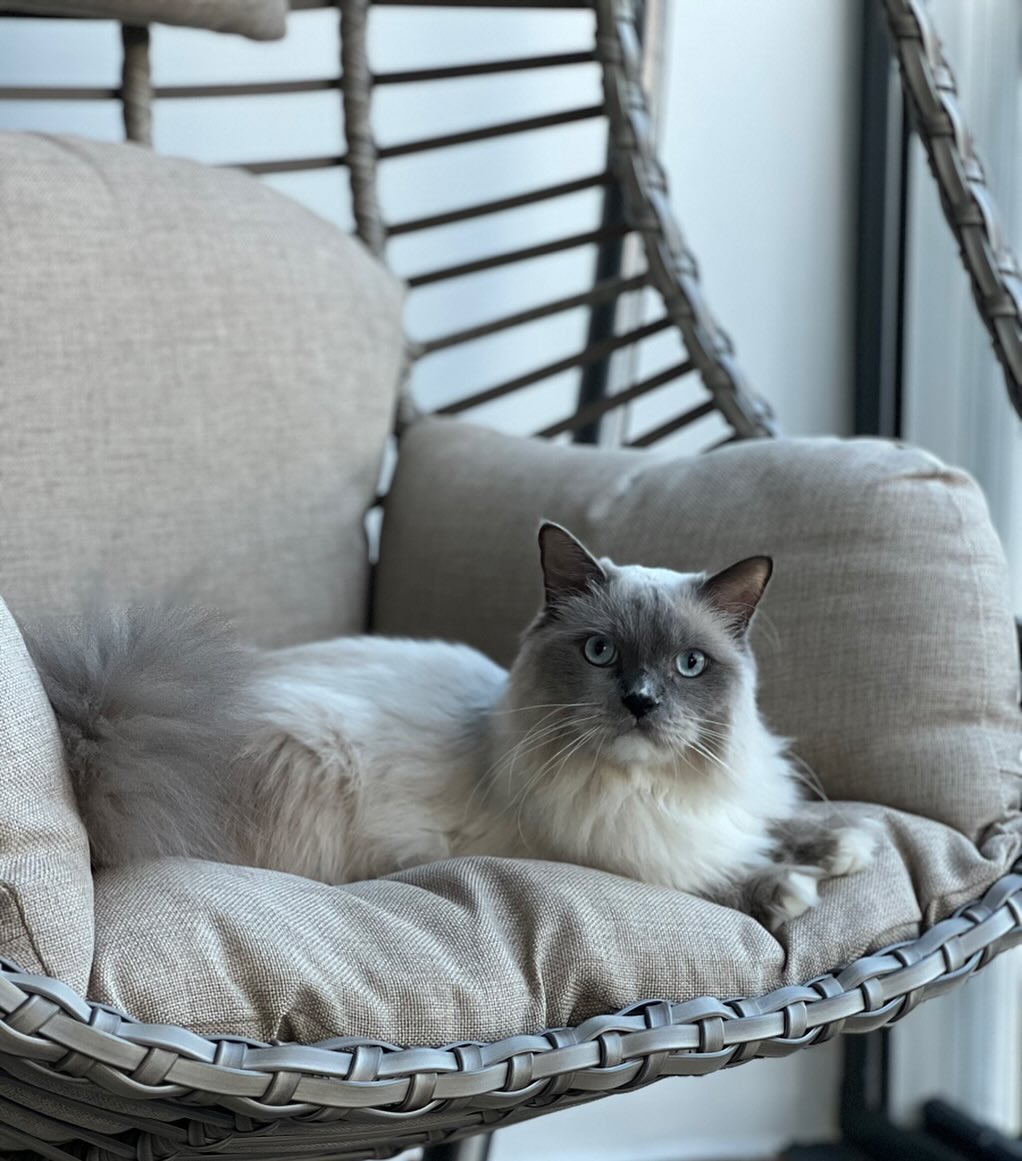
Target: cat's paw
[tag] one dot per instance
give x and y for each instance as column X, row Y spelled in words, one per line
column 794, row 892
column 853, row 850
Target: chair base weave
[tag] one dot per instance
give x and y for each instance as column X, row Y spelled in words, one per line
column 81, row 1080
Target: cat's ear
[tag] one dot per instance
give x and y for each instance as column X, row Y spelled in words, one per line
column 737, row 590
column 568, row 566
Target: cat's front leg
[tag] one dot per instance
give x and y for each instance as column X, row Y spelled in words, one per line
column 781, row 892
column 837, row 850
column 808, row 852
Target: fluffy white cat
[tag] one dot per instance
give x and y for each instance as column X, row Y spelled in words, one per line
column 625, row 737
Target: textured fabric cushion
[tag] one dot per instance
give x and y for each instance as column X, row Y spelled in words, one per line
column 484, row 948
column 886, row 646
column 45, row 882
column 196, row 384
column 259, row 19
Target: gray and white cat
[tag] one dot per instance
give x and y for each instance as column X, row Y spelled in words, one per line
column 625, row 737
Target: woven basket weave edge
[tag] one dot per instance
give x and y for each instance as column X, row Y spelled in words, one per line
column 44, row 1022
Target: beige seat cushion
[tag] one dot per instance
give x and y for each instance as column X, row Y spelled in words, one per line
column 485, row 948
column 258, row 19
column 886, row 646
column 197, row 378
column 45, row 882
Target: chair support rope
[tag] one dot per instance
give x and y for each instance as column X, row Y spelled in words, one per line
column 932, row 100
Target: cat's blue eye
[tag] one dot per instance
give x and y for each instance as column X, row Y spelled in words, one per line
column 599, row 650
column 691, row 663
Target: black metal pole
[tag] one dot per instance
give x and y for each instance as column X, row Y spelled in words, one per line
column 880, row 256
column 468, row 1149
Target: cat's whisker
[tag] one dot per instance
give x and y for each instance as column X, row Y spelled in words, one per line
column 709, row 755
column 714, row 735
column 520, row 709
column 808, row 777
column 577, row 739
column 596, row 760
column 534, row 738
column 765, row 627
column 485, row 782
column 714, row 728
column 571, row 749
column 548, row 764
column 526, row 789
column 540, row 735
column 544, row 726
column 538, row 729
column 538, row 745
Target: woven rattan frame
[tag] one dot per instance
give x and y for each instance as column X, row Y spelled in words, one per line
column 932, row 101
column 81, row 1080
column 634, row 174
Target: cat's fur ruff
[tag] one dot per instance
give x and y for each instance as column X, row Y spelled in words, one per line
column 352, row 758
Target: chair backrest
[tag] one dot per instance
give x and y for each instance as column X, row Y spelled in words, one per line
column 503, row 163
column 553, row 215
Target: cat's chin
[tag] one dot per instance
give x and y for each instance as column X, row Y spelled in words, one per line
column 635, row 747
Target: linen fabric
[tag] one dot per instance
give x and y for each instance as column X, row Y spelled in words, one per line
column 257, row 19
column 197, row 378
column 482, row 948
column 46, row 920
column 886, row 643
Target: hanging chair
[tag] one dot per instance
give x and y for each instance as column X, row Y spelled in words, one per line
column 199, row 380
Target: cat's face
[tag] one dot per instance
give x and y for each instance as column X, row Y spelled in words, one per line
column 640, row 666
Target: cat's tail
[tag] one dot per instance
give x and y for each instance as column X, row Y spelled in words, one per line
column 152, row 703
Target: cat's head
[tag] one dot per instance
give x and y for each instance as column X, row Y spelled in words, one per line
column 642, row 665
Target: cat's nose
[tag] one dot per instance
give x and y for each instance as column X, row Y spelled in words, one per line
column 640, row 702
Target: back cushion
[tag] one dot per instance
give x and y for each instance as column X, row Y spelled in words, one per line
column 46, row 922
column 886, row 644
column 196, row 385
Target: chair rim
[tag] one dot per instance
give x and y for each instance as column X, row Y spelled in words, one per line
column 47, row 1029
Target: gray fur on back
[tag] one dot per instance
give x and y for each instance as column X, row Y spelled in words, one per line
column 152, row 705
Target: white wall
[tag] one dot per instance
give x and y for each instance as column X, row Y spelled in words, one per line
column 759, row 145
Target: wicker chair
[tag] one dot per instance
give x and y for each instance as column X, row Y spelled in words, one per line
column 81, row 1079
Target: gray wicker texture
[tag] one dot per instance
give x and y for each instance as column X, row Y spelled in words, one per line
column 81, row 1081
column 136, row 85
column 932, row 100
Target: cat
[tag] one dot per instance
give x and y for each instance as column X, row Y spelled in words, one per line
column 625, row 737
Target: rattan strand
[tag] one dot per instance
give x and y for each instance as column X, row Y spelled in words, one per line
column 136, row 91
column 932, row 99
column 672, row 265
column 605, row 291
column 498, row 205
column 597, row 410
column 593, row 353
column 287, row 88
column 362, row 151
